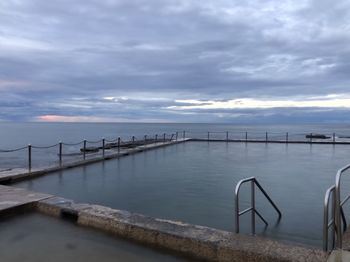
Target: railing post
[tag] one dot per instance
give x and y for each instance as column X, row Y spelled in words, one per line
column 333, row 137
column 208, row 135
column 330, row 194
column 118, row 144
column 145, row 138
column 325, row 220
column 164, row 137
column 226, row 136
column 253, row 206
column 184, row 134
column 103, row 146
column 246, row 137
column 237, row 213
column 133, row 140
column 266, row 138
column 310, row 137
column 84, row 153
column 156, row 137
column 29, row 157
column 333, row 217
column 176, row 136
column 60, row 152
column 337, row 219
column 287, row 137
column 325, row 230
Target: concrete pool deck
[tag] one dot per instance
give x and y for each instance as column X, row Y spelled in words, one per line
column 11, row 197
column 339, row 256
column 262, row 141
column 189, row 240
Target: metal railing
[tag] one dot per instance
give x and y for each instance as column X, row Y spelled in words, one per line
column 338, row 210
column 330, row 223
column 252, row 209
column 265, row 136
column 85, row 147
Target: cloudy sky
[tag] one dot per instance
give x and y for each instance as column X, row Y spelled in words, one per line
column 175, row 61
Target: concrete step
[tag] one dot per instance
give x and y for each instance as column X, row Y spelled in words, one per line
column 339, row 256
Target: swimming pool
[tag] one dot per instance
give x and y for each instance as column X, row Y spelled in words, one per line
column 194, row 182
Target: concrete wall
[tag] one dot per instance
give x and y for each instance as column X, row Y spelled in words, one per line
column 191, row 240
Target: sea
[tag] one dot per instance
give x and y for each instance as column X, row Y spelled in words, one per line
column 17, row 136
column 13, row 135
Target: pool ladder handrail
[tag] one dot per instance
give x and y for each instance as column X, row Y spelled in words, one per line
column 252, row 209
column 338, row 213
column 330, row 223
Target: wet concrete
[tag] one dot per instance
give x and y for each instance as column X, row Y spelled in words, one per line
column 346, row 240
column 35, row 237
column 194, row 241
column 339, row 256
column 11, row 197
column 271, row 141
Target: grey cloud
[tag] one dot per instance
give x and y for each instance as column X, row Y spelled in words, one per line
column 173, row 50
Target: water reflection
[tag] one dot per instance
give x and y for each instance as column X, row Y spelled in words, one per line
column 194, row 182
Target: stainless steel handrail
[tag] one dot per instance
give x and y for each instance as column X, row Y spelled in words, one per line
column 338, row 207
column 326, row 223
column 252, row 209
column 331, row 223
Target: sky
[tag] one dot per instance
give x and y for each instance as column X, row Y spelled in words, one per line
column 220, row 61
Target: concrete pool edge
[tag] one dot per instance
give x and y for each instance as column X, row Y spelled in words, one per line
column 12, row 197
column 19, row 174
column 190, row 240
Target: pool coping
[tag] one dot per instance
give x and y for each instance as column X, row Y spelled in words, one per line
column 263, row 141
column 192, row 241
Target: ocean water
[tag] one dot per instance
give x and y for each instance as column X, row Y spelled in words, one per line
column 18, row 135
column 14, row 135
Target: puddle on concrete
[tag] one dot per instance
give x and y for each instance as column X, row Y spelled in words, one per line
column 35, row 237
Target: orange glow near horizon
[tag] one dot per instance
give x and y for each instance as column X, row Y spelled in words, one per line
column 93, row 119
column 57, row 118
column 61, row 118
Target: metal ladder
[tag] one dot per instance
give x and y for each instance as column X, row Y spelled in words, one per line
column 337, row 223
column 252, row 209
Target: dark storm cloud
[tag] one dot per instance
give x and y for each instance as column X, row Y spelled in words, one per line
column 66, row 57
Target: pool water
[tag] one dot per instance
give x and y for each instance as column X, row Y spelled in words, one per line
column 38, row 238
column 194, row 182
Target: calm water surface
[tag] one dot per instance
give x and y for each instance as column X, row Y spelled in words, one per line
column 17, row 135
column 20, row 134
column 194, row 182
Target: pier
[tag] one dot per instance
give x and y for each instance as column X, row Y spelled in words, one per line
column 17, row 174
